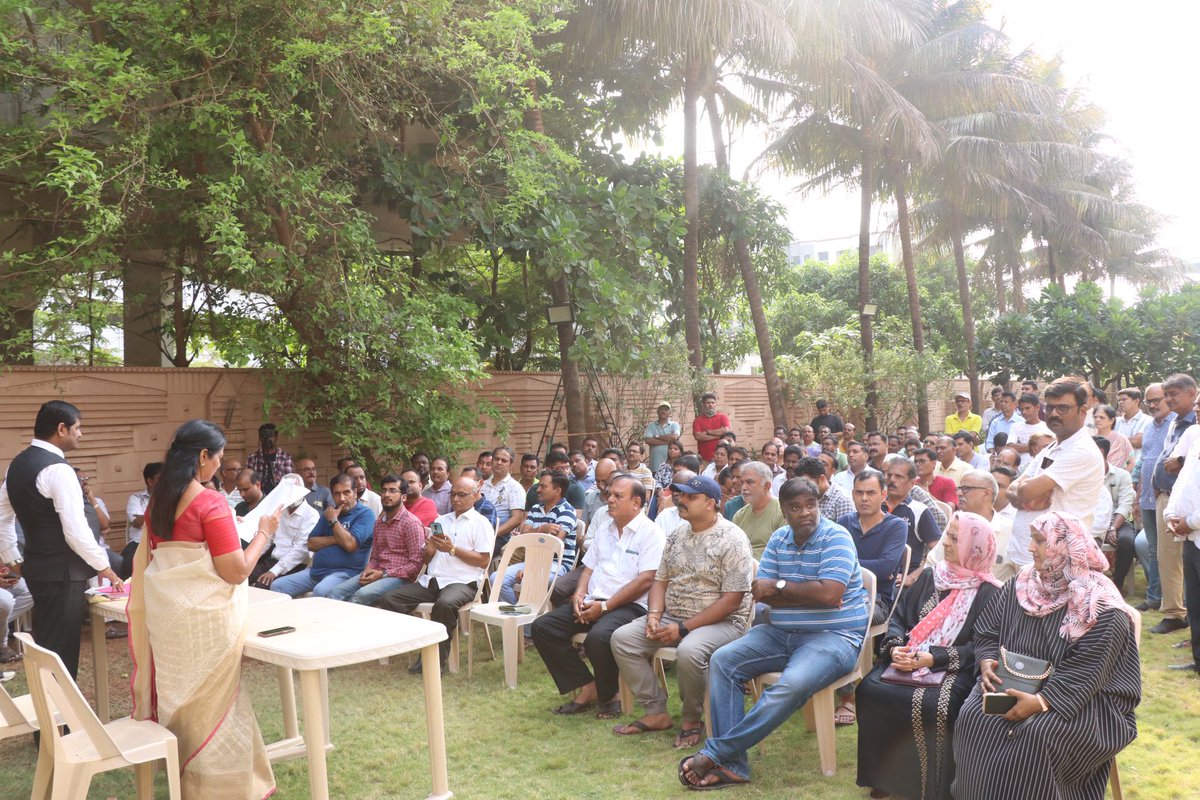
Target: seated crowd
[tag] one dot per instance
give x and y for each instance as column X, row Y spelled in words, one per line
column 987, row 545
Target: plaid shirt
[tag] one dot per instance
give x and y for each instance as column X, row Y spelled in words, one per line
column 835, row 503
column 397, row 547
column 282, row 466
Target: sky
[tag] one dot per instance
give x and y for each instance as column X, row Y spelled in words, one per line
column 1134, row 60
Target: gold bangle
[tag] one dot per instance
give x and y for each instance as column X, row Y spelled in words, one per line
column 1042, row 702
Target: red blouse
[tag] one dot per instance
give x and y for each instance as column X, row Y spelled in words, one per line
column 206, row 519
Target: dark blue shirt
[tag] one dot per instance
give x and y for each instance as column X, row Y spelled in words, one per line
column 881, row 550
column 360, row 521
column 1163, row 480
column 923, row 530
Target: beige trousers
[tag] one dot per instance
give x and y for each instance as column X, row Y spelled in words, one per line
column 1170, row 565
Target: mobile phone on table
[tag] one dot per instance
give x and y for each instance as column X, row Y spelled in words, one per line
column 276, row 631
column 997, row 702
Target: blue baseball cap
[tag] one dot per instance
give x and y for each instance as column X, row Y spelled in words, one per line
column 699, row 485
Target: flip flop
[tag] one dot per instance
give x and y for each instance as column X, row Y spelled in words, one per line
column 571, row 708
column 725, row 778
column 639, row 728
column 609, row 710
column 687, row 738
column 844, row 715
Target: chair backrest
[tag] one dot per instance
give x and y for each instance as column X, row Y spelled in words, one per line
column 868, row 579
column 946, row 508
column 10, row 715
column 906, row 562
column 543, row 554
column 52, row 690
column 580, row 536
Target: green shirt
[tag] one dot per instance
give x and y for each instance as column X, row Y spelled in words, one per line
column 759, row 527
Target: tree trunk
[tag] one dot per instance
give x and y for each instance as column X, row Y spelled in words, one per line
column 1051, row 268
column 998, row 274
column 964, row 298
column 572, row 391
column 561, row 295
column 866, row 336
column 179, row 358
column 741, row 250
column 1018, row 282
column 914, row 294
column 691, row 212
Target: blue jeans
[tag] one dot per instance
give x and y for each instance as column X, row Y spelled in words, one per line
column 298, row 583
column 809, row 662
column 350, row 589
column 507, row 593
column 1146, row 545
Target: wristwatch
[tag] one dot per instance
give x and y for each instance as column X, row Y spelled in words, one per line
column 780, row 585
column 683, row 631
column 603, row 606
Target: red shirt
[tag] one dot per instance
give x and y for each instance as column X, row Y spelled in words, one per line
column 703, row 423
column 207, row 519
column 423, row 509
column 944, row 489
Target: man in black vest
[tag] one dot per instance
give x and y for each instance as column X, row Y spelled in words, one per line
column 42, row 493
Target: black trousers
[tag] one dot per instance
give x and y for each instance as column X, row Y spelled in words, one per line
column 552, row 636
column 1125, row 554
column 1191, row 589
column 565, row 586
column 446, row 601
column 59, row 610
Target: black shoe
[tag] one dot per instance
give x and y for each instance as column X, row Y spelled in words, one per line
column 1182, row 667
column 1169, row 625
column 416, row 669
column 1146, row 605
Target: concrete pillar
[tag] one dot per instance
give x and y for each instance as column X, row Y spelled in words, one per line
column 144, row 309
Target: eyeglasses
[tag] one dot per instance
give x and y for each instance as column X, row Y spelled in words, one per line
column 461, row 494
column 1153, row 401
column 1060, row 408
column 965, row 489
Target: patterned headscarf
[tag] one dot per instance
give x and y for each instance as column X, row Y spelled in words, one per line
column 1071, row 575
column 976, row 555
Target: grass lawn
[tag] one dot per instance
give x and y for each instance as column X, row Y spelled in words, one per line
column 506, row 744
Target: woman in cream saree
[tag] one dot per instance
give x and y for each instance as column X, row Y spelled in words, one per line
column 187, row 625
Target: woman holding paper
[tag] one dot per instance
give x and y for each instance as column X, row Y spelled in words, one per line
column 187, row 613
column 1061, row 629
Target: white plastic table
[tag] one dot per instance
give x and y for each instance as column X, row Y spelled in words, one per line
column 114, row 611
column 332, row 633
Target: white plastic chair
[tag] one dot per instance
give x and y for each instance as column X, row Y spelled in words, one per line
column 66, row 764
column 543, row 555
column 17, row 716
column 425, row 611
column 818, row 711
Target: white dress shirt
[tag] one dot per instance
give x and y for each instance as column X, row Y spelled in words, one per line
column 291, row 539
column 616, row 558
column 469, row 530
column 136, row 507
column 371, row 500
column 59, row 483
column 1185, row 497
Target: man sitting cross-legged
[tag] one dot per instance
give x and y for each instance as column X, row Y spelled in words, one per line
column 699, row 601
column 617, row 572
column 397, row 548
column 456, row 557
column 809, row 575
column 340, row 542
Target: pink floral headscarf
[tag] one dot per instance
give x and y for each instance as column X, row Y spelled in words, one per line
column 1072, row 575
column 976, row 555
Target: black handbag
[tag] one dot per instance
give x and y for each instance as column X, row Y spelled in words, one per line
column 1015, row 671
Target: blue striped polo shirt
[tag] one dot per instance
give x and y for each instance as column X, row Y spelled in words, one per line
column 562, row 514
column 828, row 554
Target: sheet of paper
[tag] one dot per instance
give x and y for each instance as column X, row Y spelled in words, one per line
column 289, row 490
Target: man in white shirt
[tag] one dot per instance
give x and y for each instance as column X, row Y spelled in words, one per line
column 1066, row 476
column 289, row 551
column 613, row 587
column 42, row 492
column 135, row 516
column 1030, row 424
column 365, row 496
column 230, row 469
column 505, row 493
column 856, row 458
column 1182, row 516
column 456, row 557
column 1131, row 421
column 659, row 434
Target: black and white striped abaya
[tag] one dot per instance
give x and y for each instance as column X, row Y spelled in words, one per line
column 1064, row 754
